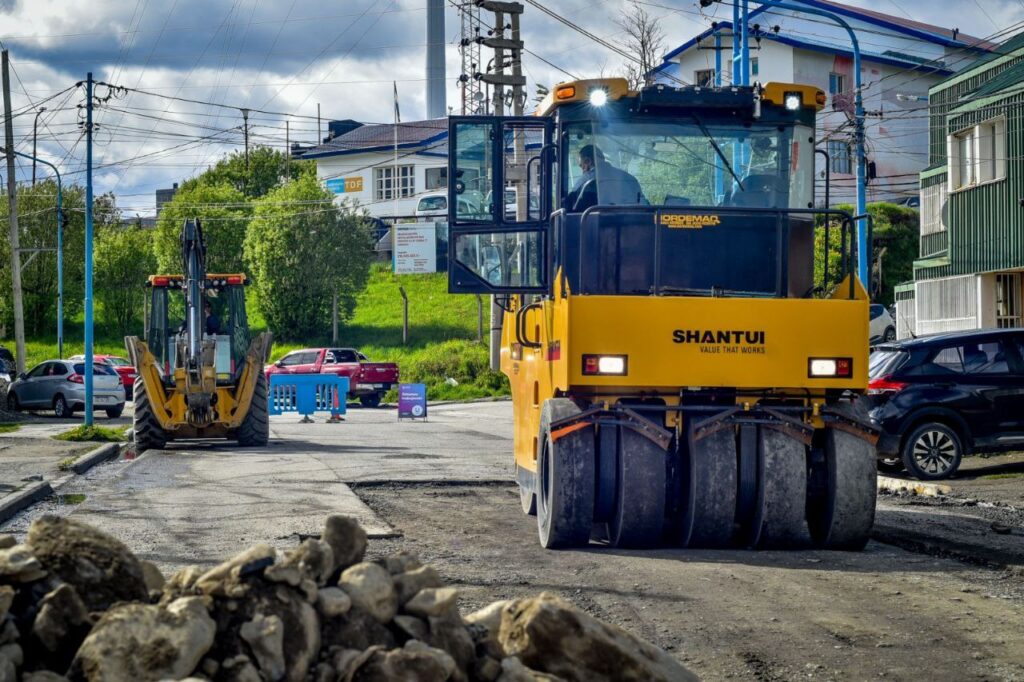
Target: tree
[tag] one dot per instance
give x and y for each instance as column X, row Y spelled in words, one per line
column 37, row 222
column 896, row 235
column 645, row 40
column 300, row 250
column 224, row 213
column 268, row 168
column 124, row 259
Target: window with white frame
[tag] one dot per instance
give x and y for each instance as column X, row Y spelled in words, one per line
column 932, row 200
column 839, row 156
column 393, row 182
column 705, row 78
column 977, row 154
column 436, row 178
column 836, row 83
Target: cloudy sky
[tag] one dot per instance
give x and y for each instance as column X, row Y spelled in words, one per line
column 288, row 57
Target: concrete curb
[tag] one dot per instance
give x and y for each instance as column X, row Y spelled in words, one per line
column 899, row 485
column 24, row 498
column 94, row 457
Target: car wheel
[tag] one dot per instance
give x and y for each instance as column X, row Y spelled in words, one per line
column 61, row 407
column 891, row 465
column 932, row 451
column 890, row 334
column 372, row 400
column 12, row 402
column 115, row 412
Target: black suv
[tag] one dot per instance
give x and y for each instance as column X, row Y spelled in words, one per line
column 938, row 398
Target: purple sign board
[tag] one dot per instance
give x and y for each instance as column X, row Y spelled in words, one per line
column 412, row 401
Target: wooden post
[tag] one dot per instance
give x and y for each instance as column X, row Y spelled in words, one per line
column 334, row 319
column 405, row 315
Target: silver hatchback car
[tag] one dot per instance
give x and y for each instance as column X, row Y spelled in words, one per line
column 60, row 385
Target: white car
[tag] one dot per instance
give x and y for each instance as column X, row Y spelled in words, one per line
column 882, row 327
column 436, row 206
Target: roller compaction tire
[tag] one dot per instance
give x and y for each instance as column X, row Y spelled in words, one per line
column 708, row 499
column 638, row 519
column 566, row 470
column 780, row 519
column 844, row 517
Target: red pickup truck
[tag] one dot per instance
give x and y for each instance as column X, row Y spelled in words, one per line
column 368, row 381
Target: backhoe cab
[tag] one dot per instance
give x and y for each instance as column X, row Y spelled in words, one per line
column 200, row 374
column 679, row 369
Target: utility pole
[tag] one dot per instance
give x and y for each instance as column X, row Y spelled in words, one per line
column 12, row 199
column 287, row 139
column 245, row 124
column 318, row 132
column 35, row 132
column 88, row 251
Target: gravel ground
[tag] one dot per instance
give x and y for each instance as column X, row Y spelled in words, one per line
column 884, row 613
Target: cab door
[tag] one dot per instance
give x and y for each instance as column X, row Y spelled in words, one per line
column 491, row 248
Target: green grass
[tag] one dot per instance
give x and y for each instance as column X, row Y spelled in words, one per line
column 66, row 463
column 994, row 477
column 71, row 498
column 100, row 434
column 9, row 428
column 442, row 335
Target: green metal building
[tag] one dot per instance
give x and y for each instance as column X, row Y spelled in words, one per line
column 969, row 272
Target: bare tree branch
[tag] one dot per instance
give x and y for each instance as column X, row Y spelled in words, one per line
column 645, row 40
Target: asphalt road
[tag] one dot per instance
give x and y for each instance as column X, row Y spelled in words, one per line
column 939, row 599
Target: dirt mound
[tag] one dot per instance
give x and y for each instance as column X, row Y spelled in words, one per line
column 75, row 604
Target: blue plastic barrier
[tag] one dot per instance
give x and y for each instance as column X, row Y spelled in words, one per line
column 306, row 394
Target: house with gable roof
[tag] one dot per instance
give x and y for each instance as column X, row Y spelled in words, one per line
column 900, row 60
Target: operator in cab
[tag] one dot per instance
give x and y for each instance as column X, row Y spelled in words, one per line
column 602, row 183
column 212, row 321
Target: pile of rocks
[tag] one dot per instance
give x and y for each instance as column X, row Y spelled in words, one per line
column 77, row 604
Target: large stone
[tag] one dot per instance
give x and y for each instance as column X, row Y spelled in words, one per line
column 312, row 560
column 407, row 665
column 7, row 541
column 100, row 568
column 432, row 601
column 357, row 629
column 60, row 626
column 347, row 540
column 488, row 620
column 513, row 670
column 6, row 599
column 152, row 576
column 553, row 636
column 412, row 627
column 332, row 602
column 146, row 642
column 409, row 583
column 449, row 633
column 220, row 579
column 371, row 589
column 19, row 564
column 43, row 676
column 400, row 562
column 265, row 635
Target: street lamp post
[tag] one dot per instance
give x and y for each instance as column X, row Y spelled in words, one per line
column 35, row 130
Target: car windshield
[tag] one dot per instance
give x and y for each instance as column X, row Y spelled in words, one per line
column 96, row 369
column 689, row 163
column 883, row 362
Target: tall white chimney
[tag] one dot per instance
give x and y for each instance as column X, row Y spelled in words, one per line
column 437, row 105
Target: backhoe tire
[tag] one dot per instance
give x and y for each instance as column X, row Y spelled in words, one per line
column 148, row 433
column 254, row 431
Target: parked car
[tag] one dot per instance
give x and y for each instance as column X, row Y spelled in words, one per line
column 368, row 381
column 435, row 206
column 59, row 385
column 939, row 398
column 123, row 366
column 883, row 326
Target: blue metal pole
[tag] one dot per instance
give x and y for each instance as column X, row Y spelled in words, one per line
column 863, row 257
column 744, row 44
column 60, row 254
column 88, row 251
column 736, row 43
column 719, row 171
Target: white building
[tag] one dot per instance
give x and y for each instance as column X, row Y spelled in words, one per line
column 383, row 172
column 900, row 60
